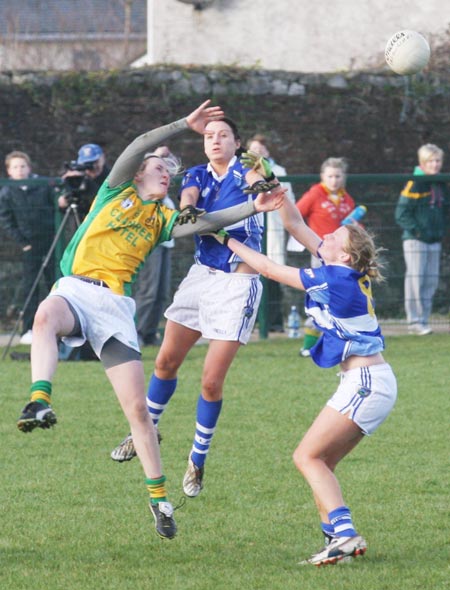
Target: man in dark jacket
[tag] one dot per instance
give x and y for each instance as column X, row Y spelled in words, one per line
column 82, row 181
column 421, row 212
column 27, row 216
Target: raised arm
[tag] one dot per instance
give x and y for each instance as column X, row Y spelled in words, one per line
column 296, row 226
column 127, row 164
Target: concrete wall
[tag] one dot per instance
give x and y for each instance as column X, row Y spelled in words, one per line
column 292, row 35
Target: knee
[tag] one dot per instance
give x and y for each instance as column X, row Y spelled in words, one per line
column 43, row 317
column 301, row 459
column 166, row 366
column 297, row 458
column 212, row 388
column 136, row 411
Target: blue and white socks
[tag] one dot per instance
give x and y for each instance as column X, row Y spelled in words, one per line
column 341, row 524
column 207, row 417
column 158, row 396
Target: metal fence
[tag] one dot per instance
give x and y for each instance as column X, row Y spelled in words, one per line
column 379, row 192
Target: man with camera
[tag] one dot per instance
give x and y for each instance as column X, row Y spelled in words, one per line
column 82, row 179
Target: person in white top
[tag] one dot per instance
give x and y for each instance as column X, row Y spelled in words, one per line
column 275, row 236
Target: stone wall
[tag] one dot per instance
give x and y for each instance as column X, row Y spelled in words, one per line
column 376, row 121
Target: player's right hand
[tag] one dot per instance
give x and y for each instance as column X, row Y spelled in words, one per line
column 204, row 114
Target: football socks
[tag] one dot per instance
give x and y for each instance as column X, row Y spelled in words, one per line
column 207, row 417
column 41, row 392
column 158, row 396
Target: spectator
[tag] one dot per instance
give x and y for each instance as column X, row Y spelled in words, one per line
column 422, row 212
column 152, row 291
column 91, row 169
column 323, row 207
column 27, row 214
column 275, row 237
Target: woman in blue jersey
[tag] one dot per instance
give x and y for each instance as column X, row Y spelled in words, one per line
column 218, row 300
column 339, row 300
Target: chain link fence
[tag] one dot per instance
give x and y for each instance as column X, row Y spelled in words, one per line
column 379, row 192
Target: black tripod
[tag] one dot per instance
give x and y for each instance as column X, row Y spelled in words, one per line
column 72, row 210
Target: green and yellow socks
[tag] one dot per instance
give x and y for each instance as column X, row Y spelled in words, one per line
column 156, row 489
column 41, row 391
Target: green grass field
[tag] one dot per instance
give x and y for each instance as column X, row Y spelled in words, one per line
column 73, row 519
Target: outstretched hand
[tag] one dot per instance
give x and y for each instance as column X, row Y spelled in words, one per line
column 271, row 200
column 203, row 115
column 189, row 214
column 261, row 186
column 257, row 163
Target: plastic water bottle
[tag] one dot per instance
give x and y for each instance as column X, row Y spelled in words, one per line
column 293, row 323
column 357, row 214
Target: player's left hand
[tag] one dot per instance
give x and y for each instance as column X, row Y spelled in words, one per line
column 257, row 163
column 189, row 214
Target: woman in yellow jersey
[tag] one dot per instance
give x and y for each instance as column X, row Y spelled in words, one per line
column 91, row 301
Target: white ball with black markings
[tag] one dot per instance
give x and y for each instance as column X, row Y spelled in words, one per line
column 407, row 52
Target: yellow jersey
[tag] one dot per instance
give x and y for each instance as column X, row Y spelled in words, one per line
column 116, row 236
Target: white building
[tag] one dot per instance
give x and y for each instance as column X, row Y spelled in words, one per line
column 293, row 35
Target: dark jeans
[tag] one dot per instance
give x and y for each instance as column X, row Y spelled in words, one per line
column 152, row 292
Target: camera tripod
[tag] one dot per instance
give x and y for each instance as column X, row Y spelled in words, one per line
column 72, row 210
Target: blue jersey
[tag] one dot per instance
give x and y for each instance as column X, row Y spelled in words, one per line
column 218, row 193
column 339, row 300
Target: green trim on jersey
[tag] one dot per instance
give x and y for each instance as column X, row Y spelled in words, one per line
column 116, row 236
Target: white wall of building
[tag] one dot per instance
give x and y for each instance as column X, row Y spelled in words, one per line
column 294, row 35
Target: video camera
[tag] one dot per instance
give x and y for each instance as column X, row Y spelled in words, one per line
column 73, row 165
column 76, row 183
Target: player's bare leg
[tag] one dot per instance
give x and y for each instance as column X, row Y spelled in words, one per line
column 128, row 381
column 177, row 342
column 218, row 360
column 53, row 318
column 329, row 439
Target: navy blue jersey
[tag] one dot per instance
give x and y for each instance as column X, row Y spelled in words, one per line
column 218, row 193
column 339, row 300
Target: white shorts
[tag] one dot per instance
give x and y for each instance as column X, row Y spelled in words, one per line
column 220, row 305
column 102, row 314
column 366, row 395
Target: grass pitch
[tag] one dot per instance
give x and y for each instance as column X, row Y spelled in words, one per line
column 73, row 519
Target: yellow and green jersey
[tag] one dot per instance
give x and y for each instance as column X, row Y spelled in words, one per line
column 116, row 237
